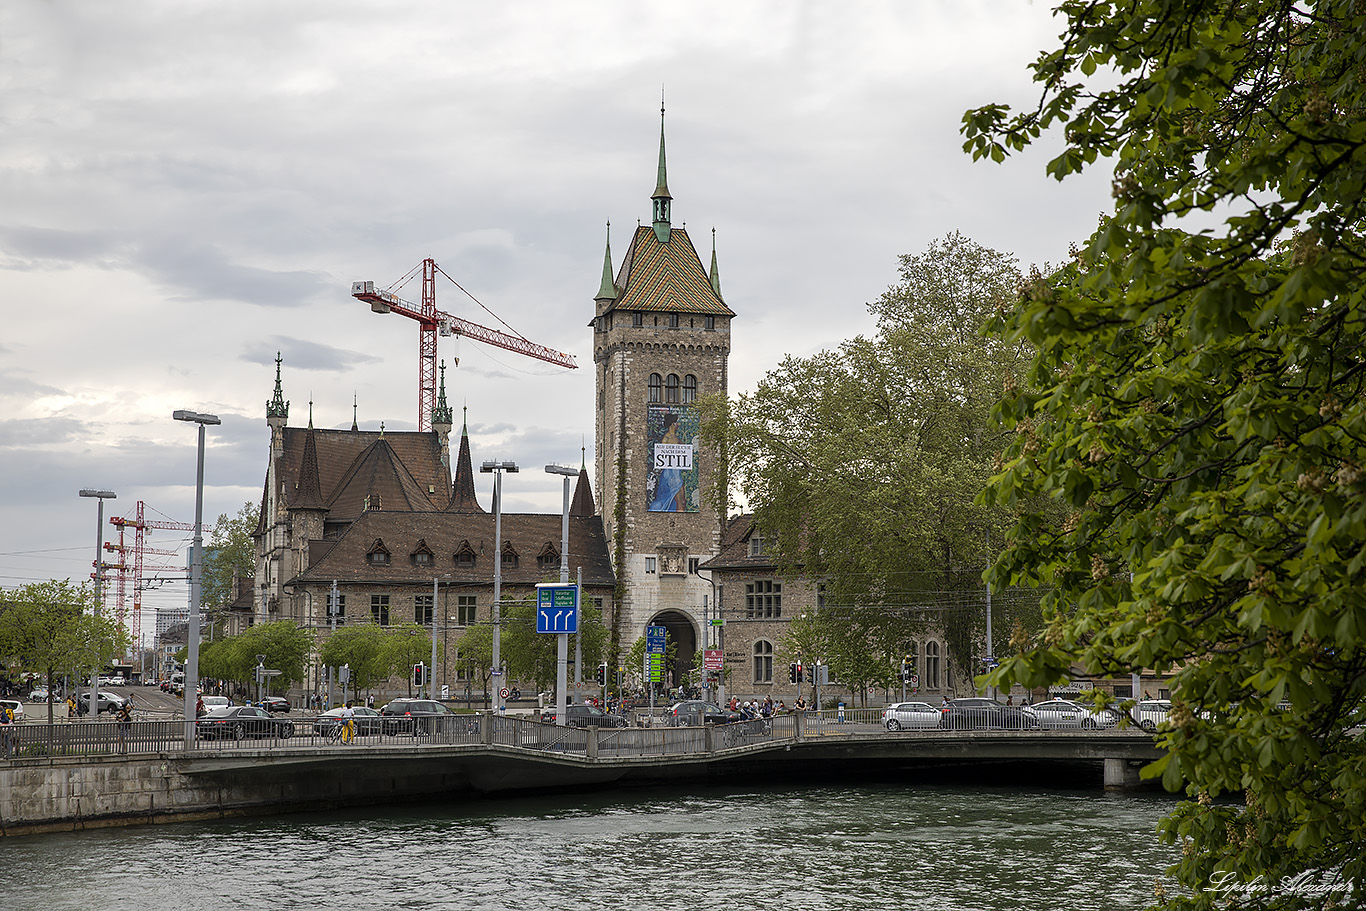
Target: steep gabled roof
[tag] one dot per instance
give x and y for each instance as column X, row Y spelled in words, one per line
column 379, row 479
column 582, row 504
column 462, row 494
column 336, row 454
column 665, row 277
column 734, row 553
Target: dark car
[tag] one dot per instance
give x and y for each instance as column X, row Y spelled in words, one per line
column 980, row 713
column 368, row 721
column 275, row 704
column 415, row 716
column 585, row 716
column 695, row 712
column 241, row 721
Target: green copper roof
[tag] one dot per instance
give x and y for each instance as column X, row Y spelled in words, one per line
column 441, row 412
column 277, row 407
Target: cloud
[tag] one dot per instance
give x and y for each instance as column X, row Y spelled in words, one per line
column 301, row 354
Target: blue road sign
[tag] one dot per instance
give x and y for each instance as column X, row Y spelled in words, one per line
column 557, row 608
column 654, row 640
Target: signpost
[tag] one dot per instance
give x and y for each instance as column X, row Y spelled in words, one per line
column 557, row 612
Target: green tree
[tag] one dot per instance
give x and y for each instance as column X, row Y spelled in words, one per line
column 406, row 644
column 231, row 550
column 475, row 648
column 863, row 463
column 362, row 648
column 1196, row 406
column 285, row 647
column 44, row 629
column 532, row 656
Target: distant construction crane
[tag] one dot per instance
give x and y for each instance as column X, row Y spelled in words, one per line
column 432, row 322
column 140, row 525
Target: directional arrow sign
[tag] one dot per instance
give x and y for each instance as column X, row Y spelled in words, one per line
column 557, row 608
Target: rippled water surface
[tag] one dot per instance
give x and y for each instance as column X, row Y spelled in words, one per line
column 935, row 847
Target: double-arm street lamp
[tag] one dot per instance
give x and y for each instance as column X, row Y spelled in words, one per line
column 196, row 575
column 496, row 672
column 101, row 495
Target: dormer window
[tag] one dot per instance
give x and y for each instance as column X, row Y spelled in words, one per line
column 373, row 501
column 756, row 545
column 422, row 554
column 465, row 555
column 509, row 556
column 378, row 554
column 548, row 558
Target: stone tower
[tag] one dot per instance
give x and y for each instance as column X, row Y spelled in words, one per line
column 661, row 338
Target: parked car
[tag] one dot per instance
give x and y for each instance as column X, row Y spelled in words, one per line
column 695, row 712
column 241, row 721
column 1149, row 713
column 368, row 721
column 16, row 707
column 107, row 702
column 981, row 713
column 584, row 716
column 909, row 716
column 38, row 694
column 275, row 704
column 416, row 716
column 1066, row 714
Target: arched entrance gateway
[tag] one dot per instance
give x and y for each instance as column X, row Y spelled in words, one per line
column 680, row 632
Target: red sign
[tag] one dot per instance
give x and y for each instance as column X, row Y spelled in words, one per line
column 711, row 659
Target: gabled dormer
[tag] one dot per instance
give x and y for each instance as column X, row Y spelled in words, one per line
column 510, row 556
column 422, row 555
column 549, row 557
column 378, row 554
column 465, row 557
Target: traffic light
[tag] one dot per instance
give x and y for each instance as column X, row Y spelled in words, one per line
column 792, row 673
column 801, row 674
column 602, row 675
column 417, row 674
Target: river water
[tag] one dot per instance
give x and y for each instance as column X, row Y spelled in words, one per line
column 929, row 848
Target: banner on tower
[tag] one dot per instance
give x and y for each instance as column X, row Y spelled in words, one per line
column 671, row 433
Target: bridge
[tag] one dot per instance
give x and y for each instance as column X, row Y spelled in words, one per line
column 84, row 774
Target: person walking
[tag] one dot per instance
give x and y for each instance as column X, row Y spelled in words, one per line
column 348, row 723
column 7, row 737
column 124, row 716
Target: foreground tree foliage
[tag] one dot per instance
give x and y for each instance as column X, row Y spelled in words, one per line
column 1197, row 406
column 863, row 463
column 231, row 552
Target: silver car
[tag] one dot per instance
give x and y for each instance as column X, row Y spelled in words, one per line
column 1068, row 715
column 1149, row 713
column 910, row 716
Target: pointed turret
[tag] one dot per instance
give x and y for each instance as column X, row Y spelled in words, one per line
column 462, row 490
column 661, row 197
column 582, row 504
column 442, row 419
column 309, row 493
column 715, row 272
column 607, row 290
column 277, row 409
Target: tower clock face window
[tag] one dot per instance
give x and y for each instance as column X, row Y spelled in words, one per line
column 656, row 389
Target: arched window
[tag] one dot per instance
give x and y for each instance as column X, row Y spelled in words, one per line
column 656, row 384
column 931, row 665
column 763, row 661
column 689, row 389
column 671, row 389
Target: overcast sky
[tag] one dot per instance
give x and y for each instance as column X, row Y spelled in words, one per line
column 188, row 188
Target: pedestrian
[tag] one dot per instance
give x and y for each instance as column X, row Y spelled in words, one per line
column 348, row 723
column 6, row 730
column 370, row 701
column 124, row 716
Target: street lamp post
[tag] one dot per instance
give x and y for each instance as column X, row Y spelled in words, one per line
column 496, row 672
column 562, row 639
column 196, row 571
column 100, row 495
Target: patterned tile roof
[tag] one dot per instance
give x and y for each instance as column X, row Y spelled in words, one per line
column 665, row 277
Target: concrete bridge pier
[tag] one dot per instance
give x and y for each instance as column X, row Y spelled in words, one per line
column 1122, row 774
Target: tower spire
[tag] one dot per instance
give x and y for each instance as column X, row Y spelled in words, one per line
column 277, row 409
column 662, row 200
column 715, row 272
column 441, row 412
column 607, row 290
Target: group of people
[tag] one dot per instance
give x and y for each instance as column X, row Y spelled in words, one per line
column 765, row 709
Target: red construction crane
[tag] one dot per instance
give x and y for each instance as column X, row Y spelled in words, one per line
column 432, row 321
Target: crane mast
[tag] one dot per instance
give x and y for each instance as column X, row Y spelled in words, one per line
column 433, row 322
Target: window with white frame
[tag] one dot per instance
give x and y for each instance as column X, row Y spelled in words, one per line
column 422, row 610
column 649, row 564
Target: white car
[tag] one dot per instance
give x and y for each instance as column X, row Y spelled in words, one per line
column 1069, row 715
column 1149, row 713
column 39, row 694
column 215, row 702
column 910, row 716
column 15, row 706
